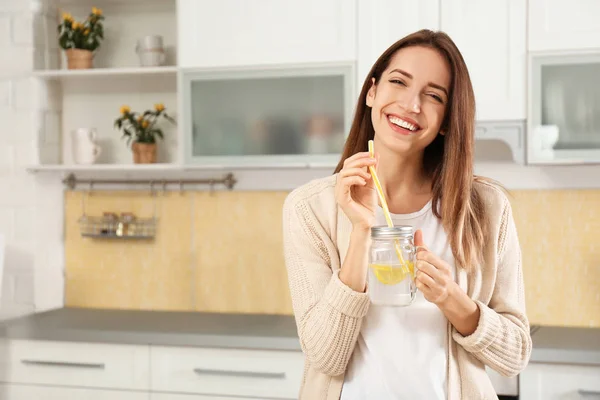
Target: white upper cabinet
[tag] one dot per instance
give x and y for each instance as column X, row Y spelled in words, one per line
column 381, row 23
column 262, row 32
column 492, row 39
column 559, row 25
column 490, row 35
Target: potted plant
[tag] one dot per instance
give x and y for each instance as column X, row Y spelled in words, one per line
column 81, row 39
column 142, row 129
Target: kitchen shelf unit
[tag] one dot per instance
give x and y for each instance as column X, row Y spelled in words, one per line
column 92, row 98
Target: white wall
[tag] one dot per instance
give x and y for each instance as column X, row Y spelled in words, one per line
column 30, row 206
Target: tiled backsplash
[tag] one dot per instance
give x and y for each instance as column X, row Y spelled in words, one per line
column 222, row 252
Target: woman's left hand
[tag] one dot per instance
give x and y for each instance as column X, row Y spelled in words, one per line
column 433, row 275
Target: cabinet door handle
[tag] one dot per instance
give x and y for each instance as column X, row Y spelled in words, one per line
column 584, row 392
column 240, row 374
column 63, row 364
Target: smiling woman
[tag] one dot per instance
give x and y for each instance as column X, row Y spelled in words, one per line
column 417, row 105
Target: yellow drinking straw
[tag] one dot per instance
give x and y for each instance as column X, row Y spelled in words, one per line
column 384, row 205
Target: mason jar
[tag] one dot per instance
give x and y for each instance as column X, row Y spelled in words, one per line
column 391, row 275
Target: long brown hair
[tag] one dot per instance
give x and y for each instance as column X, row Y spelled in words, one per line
column 448, row 160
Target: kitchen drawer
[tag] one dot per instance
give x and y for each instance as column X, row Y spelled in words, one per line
column 75, row 364
column 172, row 396
column 559, row 382
column 227, row 372
column 31, row 392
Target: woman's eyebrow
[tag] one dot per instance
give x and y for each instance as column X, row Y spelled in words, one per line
column 409, row 76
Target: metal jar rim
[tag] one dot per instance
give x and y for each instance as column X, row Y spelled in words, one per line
column 398, row 231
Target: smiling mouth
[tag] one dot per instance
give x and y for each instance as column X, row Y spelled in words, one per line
column 402, row 126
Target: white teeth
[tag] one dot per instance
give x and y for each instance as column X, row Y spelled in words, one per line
column 402, row 123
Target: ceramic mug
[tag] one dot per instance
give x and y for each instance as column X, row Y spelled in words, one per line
column 85, row 148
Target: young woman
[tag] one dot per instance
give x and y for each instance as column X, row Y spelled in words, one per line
column 418, row 106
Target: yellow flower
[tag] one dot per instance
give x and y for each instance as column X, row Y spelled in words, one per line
column 125, row 110
column 67, row 17
column 159, row 107
column 86, row 32
column 140, row 118
column 96, row 11
column 77, row 25
column 144, row 124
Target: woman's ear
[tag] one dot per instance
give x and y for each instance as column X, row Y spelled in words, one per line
column 371, row 93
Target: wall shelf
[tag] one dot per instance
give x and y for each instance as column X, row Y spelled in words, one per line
column 99, row 73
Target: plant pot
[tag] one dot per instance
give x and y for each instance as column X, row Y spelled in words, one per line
column 144, row 153
column 79, row 59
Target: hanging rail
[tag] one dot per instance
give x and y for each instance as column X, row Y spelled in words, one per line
column 229, row 181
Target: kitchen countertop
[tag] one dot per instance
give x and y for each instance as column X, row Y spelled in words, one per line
column 553, row 344
column 272, row 332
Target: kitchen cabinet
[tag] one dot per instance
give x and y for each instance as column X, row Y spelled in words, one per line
column 492, row 39
column 102, row 371
column 233, row 33
column 228, row 372
column 30, row 392
column 381, row 23
column 76, row 364
column 558, row 25
column 546, row 381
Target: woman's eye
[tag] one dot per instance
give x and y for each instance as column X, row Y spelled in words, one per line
column 437, row 98
column 398, row 82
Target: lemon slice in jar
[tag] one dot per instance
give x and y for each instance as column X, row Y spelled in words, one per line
column 391, row 275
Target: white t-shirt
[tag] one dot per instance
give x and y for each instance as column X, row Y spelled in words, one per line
column 401, row 352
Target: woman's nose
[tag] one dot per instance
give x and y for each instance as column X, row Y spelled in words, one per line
column 412, row 103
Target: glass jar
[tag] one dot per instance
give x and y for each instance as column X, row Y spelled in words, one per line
column 391, row 276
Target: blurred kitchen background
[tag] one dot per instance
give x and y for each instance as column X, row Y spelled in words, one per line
column 109, row 251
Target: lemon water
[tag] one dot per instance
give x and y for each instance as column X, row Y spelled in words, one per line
column 391, row 285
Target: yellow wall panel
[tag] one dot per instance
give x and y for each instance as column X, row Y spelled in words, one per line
column 123, row 273
column 559, row 232
column 239, row 253
column 222, row 252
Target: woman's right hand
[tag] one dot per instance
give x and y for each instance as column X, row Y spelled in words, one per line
column 355, row 191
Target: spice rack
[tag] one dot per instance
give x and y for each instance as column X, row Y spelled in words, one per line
column 127, row 226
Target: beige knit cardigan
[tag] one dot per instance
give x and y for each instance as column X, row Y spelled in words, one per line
column 329, row 314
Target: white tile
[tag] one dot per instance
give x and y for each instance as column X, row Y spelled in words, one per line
column 24, row 289
column 5, row 92
column 25, row 155
column 22, row 29
column 17, row 61
column 7, row 223
column 4, row 30
column 7, row 159
column 24, row 224
column 8, row 287
column 25, row 94
column 18, row 126
column 18, row 190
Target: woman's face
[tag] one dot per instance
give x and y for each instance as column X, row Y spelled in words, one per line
column 408, row 103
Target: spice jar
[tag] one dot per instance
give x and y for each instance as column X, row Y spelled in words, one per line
column 391, row 275
column 125, row 227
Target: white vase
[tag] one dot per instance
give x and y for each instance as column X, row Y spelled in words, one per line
column 150, row 51
column 85, row 148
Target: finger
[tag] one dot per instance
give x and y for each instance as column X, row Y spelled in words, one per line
column 361, row 163
column 427, row 268
column 356, row 157
column 421, row 286
column 355, row 172
column 350, row 181
column 432, row 259
column 419, row 243
column 425, row 280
